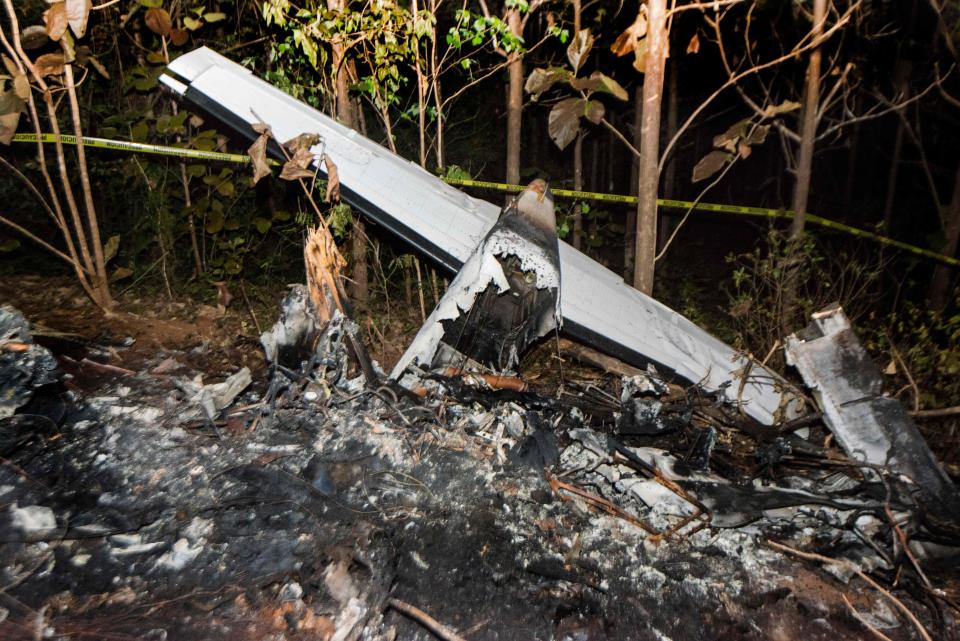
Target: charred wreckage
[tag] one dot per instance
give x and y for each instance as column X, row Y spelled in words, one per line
column 692, row 495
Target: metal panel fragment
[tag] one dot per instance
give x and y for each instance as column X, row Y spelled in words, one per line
column 871, row 428
column 599, row 309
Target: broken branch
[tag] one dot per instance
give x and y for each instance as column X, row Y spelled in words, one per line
column 847, row 565
column 424, row 619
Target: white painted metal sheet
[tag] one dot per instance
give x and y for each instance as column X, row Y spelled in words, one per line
column 598, row 307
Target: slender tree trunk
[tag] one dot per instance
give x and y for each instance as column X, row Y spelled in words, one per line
column 421, row 93
column 849, row 185
column 514, row 102
column 902, row 72
column 670, row 171
column 631, row 223
column 891, row 196
column 941, row 288
column 435, row 84
column 648, row 176
column 102, row 286
column 577, row 155
column 808, row 128
column 578, row 186
column 345, row 111
column 801, row 190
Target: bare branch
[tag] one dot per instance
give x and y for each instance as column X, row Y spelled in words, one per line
column 841, row 81
column 699, row 197
column 705, row 5
column 50, row 248
column 732, row 81
column 873, row 115
column 943, row 92
column 812, row 556
column 620, row 136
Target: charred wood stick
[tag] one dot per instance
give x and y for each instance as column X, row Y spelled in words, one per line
column 424, row 619
column 599, row 502
column 942, row 412
column 813, row 556
column 802, row 421
column 109, row 369
column 597, row 359
column 859, row 617
column 493, row 380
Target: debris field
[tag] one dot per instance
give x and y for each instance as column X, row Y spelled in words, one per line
column 309, row 501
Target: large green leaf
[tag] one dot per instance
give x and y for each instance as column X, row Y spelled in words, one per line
column 598, row 82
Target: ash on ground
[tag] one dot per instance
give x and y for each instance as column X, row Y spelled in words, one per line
column 153, row 504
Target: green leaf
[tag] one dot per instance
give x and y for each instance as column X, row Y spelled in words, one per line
column 214, row 222
column 9, row 245
column 140, row 131
column 214, row 16
column 192, row 24
column 262, row 224
column 600, row 83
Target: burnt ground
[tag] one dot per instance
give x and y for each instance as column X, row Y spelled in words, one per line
column 125, row 514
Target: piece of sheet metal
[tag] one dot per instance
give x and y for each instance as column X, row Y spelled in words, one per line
column 599, row 309
column 871, row 428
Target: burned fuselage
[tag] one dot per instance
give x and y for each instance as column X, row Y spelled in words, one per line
column 506, row 296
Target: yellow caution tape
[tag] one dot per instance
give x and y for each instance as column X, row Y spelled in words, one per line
column 740, row 210
column 179, row 152
column 138, row 147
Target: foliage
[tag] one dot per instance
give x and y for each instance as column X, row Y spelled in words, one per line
column 928, row 341
column 756, row 294
column 565, row 116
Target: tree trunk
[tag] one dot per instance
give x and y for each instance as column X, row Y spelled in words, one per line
column 514, row 102
column 902, row 72
column 421, row 92
column 670, row 172
column 577, row 155
column 435, row 85
column 808, row 128
column 849, row 185
column 345, row 112
column 648, row 175
column 892, row 178
column 578, row 186
column 631, row 223
column 801, row 190
column 941, row 289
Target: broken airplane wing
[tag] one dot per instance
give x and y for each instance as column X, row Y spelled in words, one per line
column 599, row 309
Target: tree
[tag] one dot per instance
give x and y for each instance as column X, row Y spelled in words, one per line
column 801, row 189
column 648, row 174
column 85, row 252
